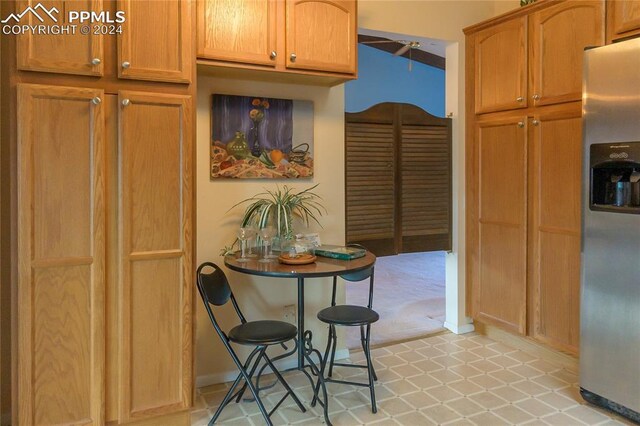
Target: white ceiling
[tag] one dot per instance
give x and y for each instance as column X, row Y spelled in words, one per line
column 437, row 47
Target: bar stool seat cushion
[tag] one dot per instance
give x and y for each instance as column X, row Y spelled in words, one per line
column 264, row 332
column 348, row 315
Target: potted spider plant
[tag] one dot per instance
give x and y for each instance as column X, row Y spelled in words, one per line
column 278, row 208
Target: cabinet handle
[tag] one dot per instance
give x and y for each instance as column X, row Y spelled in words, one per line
column 521, row 124
column 536, row 97
column 273, row 54
column 125, row 102
column 293, row 57
column 126, row 65
column 519, row 99
column 535, row 122
column 96, row 61
column 96, row 100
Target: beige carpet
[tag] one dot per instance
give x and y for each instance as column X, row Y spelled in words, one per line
column 408, row 295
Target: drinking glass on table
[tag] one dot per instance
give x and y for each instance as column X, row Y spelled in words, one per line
column 253, row 242
column 267, row 234
column 244, row 234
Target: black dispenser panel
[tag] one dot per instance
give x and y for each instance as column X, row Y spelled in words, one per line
column 615, row 177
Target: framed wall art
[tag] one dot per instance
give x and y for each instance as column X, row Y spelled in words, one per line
column 264, row 138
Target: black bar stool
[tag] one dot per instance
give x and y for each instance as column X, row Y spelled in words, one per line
column 350, row 316
column 215, row 291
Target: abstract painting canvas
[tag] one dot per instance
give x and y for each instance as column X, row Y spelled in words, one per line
column 257, row 137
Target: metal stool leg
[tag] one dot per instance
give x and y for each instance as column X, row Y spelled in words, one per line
column 285, row 384
column 333, row 350
column 365, row 349
column 253, row 370
column 323, row 365
column 374, row 408
column 226, row 400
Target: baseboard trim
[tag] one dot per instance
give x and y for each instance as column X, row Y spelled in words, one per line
column 459, row 329
column 527, row 344
column 228, row 376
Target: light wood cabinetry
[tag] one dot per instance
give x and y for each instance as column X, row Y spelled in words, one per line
column 238, row 31
column 559, row 35
column 555, row 185
column 308, row 37
column 104, row 301
column 155, row 263
column 61, row 249
column 501, row 66
column 499, row 292
column 155, row 43
column 59, row 53
column 321, row 35
column 623, row 19
column 523, row 242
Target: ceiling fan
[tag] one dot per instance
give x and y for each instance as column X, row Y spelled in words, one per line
column 407, row 45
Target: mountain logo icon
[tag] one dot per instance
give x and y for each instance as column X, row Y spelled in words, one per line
column 34, row 11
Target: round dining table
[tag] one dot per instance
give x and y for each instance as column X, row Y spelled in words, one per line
column 321, row 267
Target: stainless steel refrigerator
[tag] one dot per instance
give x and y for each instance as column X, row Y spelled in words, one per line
column 610, row 287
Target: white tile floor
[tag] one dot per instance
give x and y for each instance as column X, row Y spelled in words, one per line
column 446, row 379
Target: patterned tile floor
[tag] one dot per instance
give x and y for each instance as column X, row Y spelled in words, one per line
column 446, row 379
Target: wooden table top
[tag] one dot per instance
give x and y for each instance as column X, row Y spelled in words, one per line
column 322, row 267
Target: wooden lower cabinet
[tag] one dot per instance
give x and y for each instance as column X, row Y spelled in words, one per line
column 61, row 250
column 524, row 206
column 155, row 263
column 498, row 234
column 105, row 256
column 554, row 238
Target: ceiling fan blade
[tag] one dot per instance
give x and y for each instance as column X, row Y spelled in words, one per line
column 383, row 41
column 402, row 50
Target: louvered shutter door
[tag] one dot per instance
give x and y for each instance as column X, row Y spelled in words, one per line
column 370, row 181
column 426, row 191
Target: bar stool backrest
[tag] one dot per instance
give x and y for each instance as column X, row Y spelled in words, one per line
column 215, row 290
column 354, row 277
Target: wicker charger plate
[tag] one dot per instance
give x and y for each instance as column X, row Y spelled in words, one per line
column 300, row 259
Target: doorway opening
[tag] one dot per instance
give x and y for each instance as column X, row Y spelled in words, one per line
column 398, row 183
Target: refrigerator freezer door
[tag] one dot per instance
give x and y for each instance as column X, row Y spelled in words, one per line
column 610, row 296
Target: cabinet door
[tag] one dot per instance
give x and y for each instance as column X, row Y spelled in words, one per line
column 499, row 285
column 155, row 190
column 559, row 35
column 623, row 19
column 155, row 43
column 59, row 53
column 61, row 247
column 501, row 66
column 321, row 35
column 238, row 31
column 555, row 172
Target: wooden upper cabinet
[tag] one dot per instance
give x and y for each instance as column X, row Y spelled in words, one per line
column 321, row 35
column 155, row 189
column 59, row 53
column 237, row 31
column 623, row 19
column 559, row 35
column 501, row 66
column 155, row 43
column 61, row 251
column 500, row 279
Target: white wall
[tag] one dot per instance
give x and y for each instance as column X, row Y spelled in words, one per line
column 262, row 298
